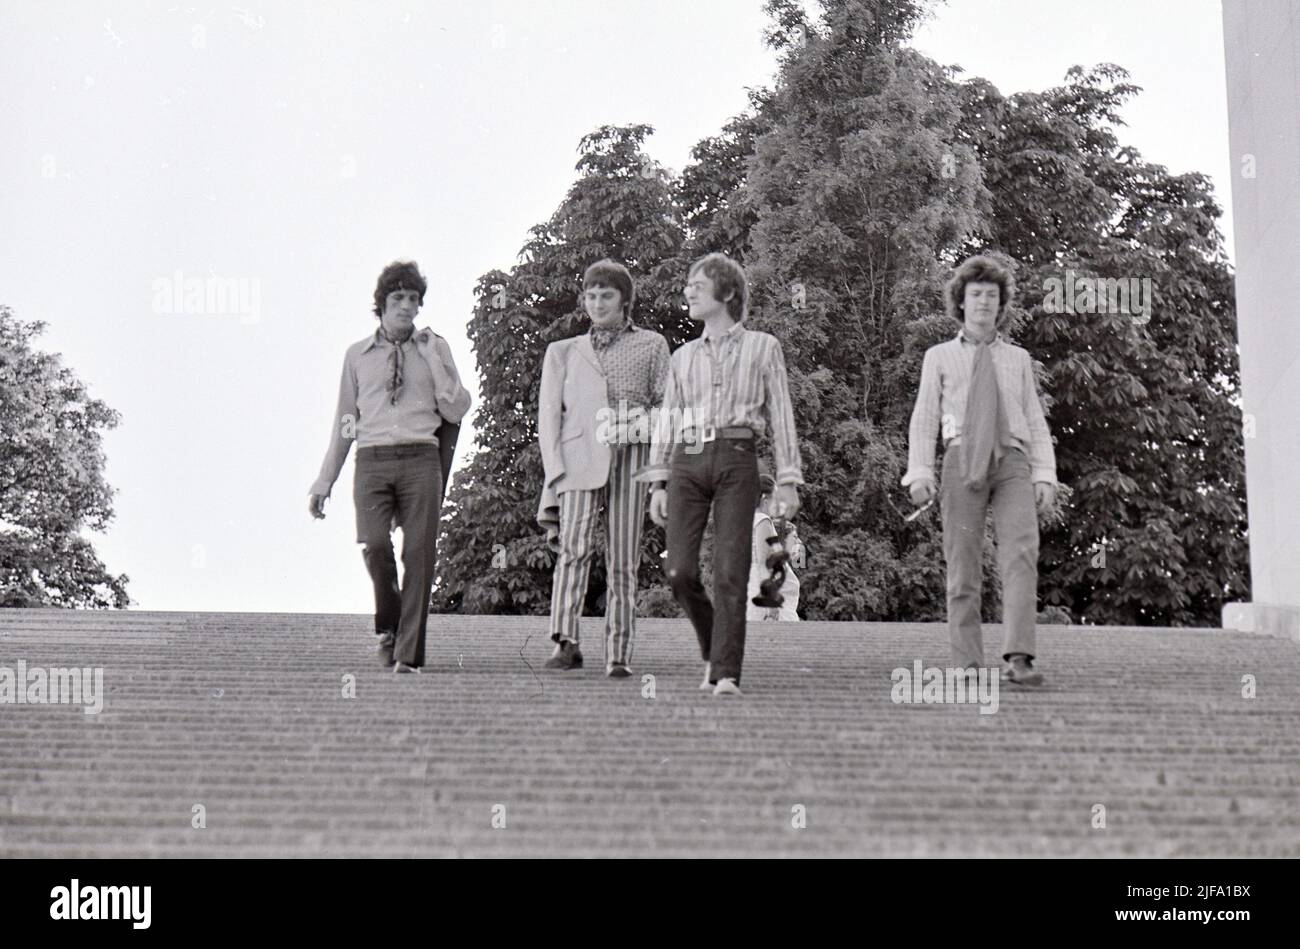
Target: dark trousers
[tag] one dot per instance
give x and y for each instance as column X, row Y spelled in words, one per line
column 400, row 486
column 722, row 476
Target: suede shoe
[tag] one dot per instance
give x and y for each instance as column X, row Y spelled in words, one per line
column 1019, row 670
column 567, row 655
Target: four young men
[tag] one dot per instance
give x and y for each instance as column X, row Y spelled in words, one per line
column 601, row 394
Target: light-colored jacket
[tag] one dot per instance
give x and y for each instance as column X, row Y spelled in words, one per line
column 573, row 393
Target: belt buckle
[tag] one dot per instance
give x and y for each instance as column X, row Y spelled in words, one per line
column 708, row 434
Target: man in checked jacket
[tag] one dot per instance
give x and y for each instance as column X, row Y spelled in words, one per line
column 597, row 392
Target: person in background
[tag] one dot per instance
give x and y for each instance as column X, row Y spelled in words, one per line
column 764, row 530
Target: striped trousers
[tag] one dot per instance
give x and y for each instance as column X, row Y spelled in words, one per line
column 625, row 505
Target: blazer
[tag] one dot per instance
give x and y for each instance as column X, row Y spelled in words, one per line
column 573, row 393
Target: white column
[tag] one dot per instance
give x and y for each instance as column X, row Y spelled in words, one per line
column 1262, row 45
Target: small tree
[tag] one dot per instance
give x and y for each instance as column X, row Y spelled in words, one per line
column 51, row 479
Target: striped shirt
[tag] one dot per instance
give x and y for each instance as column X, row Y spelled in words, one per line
column 734, row 380
column 941, row 406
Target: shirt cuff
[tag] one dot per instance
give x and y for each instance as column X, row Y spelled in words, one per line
column 1048, row 475
column 791, row 476
column 916, row 474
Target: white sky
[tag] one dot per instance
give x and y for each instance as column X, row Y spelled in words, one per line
column 300, row 147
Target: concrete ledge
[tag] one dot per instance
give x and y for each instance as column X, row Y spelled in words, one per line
column 1267, row 619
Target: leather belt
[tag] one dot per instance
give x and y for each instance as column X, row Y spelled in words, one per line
column 708, row 433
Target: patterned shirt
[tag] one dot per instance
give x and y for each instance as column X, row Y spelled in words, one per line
column 624, row 354
column 941, row 405
column 734, row 380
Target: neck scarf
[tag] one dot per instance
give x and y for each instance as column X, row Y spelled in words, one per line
column 985, row 428
column 396, row 363
column 603, row 337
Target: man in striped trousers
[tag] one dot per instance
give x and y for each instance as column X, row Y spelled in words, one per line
column 593, row 425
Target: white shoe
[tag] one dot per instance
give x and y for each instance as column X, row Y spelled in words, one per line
column 727, row 687
column 706, row 685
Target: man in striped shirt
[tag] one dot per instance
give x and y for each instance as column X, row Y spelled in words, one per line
column 977, row 391
column 724, row 389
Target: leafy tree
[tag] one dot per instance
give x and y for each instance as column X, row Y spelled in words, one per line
column 1146, row 414
column 849, row 190
column 51, row 479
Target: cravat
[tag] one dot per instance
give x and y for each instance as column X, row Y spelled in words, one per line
column 985, row 427
column 396, row 364
column 602, row 337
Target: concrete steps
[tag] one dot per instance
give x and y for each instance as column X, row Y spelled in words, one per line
column 245, row 715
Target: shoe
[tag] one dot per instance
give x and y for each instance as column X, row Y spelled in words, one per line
column 385, row 649
column 567, row 655
column 727, row 687
column 706, row 685
column 403, row 667
column 1019, row 669
column 618, row 671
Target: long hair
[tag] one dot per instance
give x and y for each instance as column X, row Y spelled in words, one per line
column 978, row 269
column 399, row 275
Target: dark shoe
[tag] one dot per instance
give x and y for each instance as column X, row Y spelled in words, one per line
column 385, row 648
column 618, row 671
column 403, row 667
column 567, row 655
column 1019, row 669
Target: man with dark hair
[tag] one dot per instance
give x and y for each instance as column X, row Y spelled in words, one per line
column 400, row 399
column 723, row 390
column 978, row 391
column 594, row 388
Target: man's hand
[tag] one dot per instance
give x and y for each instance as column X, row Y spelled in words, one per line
column 786, row 502
column 316, row 505
column 1044, row 496
column 553, row 539
column 659, row 507
column 922, row 491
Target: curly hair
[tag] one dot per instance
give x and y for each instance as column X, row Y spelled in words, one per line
column 612, row 274
column 728, row 278
column 979, row 269
column 399, row 275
